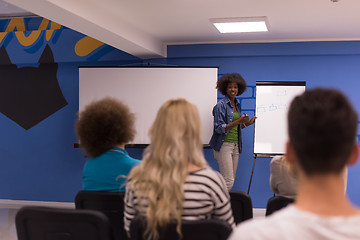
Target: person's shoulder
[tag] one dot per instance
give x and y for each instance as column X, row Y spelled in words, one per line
column 201, row 172
column 218, row 105
column 252, row 229
column 206, row 174
column 206, row 171
column 133, row 161
column 94, row 160
column 222, row 102
column 209, row 179
column 270, row 227
column 276, row 160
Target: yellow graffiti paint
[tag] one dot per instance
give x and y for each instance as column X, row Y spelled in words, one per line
column 19, row 25
column 86, row 45
column 83, row 47
column 49, row 33
column 16, row 23
column 2, row 36
column 43, row 25
column 53, row 26
column 27, row 40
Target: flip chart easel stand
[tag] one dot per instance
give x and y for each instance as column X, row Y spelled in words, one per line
column 256, row 155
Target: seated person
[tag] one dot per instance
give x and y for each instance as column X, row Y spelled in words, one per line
column 173, row 181
column 282, row 178
column 319, row 153
column 103, row 129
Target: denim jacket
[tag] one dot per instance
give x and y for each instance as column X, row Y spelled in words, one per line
column 223, row 115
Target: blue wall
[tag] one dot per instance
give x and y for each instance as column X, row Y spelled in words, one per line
column 40, row 163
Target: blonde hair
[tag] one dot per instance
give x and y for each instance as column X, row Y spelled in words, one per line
column 158, row 181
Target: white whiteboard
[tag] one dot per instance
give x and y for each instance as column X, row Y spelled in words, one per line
column 272, row 102
column 145, row 89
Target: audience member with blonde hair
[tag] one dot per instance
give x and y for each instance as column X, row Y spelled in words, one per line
column 103, row 129
column 322, row 127
column 173, row 181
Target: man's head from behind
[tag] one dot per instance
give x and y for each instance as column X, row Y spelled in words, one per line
column 322, row 126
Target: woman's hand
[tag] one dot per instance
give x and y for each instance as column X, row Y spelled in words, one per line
column 243, row 119
column 248, row 123
column 252, row 121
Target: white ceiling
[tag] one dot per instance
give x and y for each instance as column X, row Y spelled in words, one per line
column 143, row 28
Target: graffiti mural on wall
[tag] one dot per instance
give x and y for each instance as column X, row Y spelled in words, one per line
column 28, row 37
column 28, row 95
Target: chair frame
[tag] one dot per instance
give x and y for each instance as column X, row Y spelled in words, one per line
column 276, row 203
column 106, row 202
column 43, row 223
column 211, row 229
column 245, row 211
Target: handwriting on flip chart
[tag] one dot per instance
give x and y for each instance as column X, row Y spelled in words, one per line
column 271, row 108
column 276, row 105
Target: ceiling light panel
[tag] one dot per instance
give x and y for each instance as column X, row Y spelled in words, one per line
column 241, row 25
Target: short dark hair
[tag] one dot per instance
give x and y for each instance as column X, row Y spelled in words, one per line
column 322, row 126
column 224, row 81
column 104, row 124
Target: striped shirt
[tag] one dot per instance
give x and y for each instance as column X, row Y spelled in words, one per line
column 205, row 197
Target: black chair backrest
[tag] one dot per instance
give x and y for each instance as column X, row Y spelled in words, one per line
column 110, row 203
column 276, row 203
column 211, row 229
column 241, row 205
column 45, row 223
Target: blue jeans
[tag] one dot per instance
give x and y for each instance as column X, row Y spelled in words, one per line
column 228, row 158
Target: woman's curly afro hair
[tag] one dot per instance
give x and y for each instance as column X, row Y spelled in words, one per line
column 224, row 81
column 104, row 124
